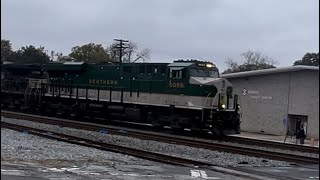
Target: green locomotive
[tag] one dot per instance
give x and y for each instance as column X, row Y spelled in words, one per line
column 182, row 94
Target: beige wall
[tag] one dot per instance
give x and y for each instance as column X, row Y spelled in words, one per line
column 270, row 98
column 304, row 99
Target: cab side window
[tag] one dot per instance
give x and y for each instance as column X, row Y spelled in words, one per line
column 176, row 74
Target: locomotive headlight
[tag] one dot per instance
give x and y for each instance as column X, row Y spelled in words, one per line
column 223, row 106
column 209, row 65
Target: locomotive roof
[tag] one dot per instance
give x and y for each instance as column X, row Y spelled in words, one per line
column 67, row 66
column 22, row 66
column 180, row 64
column 73, row 63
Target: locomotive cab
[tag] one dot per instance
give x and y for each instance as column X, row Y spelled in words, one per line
column 202, row 79
column 218, row 103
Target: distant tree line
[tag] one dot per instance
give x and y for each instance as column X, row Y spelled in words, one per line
column 91, row 53
column 257, row 60
column 252, row 61
column 309, row 59
column 96, row 53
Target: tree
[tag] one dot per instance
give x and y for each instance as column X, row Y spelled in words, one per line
column 56, row 56
column 6, row 49
column 130, row 54
column 232, row 64
column 93, row 53
column 62, row 58
column 309, row 59
column 252, row 61
column 29, row 54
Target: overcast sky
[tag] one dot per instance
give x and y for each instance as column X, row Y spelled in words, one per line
column 213, row 30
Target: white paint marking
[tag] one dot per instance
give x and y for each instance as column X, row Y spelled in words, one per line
column 72, row 169
column 314, row 177
column 204, row 174
column 14, row 172
column 195, row 173
column 11, row 170
column 139, row 175
column 201, row 174
column 114, row 174
column 90, row 173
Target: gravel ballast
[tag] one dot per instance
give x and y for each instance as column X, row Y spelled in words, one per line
column 25, row 146
column 22, row 146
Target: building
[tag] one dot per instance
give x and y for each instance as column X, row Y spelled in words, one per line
column 277, row 101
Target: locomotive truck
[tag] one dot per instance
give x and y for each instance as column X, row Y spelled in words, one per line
column 182, row 94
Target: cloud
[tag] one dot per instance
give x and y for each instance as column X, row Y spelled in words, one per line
column 210, row 29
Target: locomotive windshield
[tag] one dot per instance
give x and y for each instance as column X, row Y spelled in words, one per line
column 204, row 72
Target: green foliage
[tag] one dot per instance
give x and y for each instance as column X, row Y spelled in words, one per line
column 252, row 61
column 29, row 54
column 92, row 53
column 6, row 49
column 309, row 59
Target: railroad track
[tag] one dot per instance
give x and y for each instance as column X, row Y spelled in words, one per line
column 250, row 174
column 167, row 138
column 279, row 145
column 232, row 139
column 105, row 146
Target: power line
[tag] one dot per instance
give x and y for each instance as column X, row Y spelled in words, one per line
column 121, row 46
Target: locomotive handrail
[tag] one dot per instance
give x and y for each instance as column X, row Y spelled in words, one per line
column 85, row 85
column 204, row 106
column 212, row 105
column 14, row 81
column 147, row 80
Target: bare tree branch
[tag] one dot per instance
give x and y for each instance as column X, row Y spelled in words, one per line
column 252, row 61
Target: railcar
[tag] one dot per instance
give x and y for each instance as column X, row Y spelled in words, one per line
column 182, row 94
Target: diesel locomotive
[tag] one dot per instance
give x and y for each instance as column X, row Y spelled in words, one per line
column 182, row 94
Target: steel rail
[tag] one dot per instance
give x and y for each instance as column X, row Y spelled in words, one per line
column 162, row 158
column 106, row 146
column 170, row 139
column 266, row 143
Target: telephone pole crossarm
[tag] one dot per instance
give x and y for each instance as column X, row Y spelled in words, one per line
column 121, row 46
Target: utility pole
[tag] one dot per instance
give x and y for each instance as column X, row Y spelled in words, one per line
column 121, row 47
